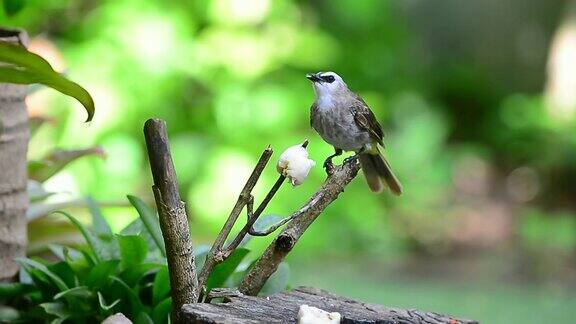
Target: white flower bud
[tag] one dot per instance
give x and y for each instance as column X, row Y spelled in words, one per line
column 312, row 315
column 294, row 164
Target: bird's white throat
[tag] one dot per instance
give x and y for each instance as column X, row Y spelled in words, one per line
column 324, row 100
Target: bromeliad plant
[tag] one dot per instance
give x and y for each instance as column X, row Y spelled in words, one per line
column 124, row 272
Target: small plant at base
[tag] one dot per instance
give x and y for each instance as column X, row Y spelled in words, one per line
column 124, row 272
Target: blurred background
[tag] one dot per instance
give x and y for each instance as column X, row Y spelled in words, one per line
column 477, row 100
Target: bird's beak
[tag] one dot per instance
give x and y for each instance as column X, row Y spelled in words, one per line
column 313, row 77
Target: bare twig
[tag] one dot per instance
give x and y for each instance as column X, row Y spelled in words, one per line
column 253, row 216
column 301, row 220
column 216, row 254
column 173, row 219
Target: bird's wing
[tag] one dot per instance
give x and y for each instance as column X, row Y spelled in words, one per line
column 313, row 112
column 365, row 119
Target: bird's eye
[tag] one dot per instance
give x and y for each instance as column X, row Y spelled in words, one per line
column 329, row 78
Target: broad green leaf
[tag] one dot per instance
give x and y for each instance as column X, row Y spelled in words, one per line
column 161, row 311
column 150, row 220
column 161, row 287
column 223, row 270
column 278, row 281
column 12, row 7
column 102, row 303
column 133, row 250
column 137, row 228
column 100, row 274
column 31, row 264
column 81, row 292
column 236, row 278
column 31, row 68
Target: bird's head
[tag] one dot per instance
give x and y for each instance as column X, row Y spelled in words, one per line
column 327, row 83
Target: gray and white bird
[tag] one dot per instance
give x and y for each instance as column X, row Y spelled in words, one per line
column 346, row 122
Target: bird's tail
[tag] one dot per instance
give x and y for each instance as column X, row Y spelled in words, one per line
column 376, row 169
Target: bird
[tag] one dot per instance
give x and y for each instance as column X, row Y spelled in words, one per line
column 344, row 120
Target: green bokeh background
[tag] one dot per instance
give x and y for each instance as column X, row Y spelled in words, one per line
column 486, row 228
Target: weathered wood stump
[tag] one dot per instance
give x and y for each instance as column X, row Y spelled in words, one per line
column 283, row 308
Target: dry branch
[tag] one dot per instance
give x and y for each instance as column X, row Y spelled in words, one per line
column 216, row 254
column 173, row 219
column 300, row 221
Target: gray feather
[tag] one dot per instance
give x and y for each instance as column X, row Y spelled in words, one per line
column 370, row 173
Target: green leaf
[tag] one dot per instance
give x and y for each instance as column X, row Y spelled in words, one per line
column 99, row 223
column 64, row 271
column 264, row 222
column 278, row 281
column 161, row 312
column 65, row 253
column 58, row 160
column 102, row 250
column 11, row 290
column 133, row 274
column 102, row 303
column 36, row 192
column 31, row 264
column 143, row 318
column 12, row 7
column 150, row 220
column 130, row 294
column 223, row 270
column 137, row 228
column 57, row 309
column 161, row 287
column 133, row 250
column 31, row 68
column 81, row 292
column 8, row 314
column 100, row 274
column 200, row 253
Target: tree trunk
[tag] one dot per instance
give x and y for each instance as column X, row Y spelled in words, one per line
column 14, row 136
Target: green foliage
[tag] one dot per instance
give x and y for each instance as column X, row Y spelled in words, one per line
column 28, row 68
column 46, row 230
column 124, row 272
column 12, row 7
column 541, row 231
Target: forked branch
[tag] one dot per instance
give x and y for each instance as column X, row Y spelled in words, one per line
column 298, row 223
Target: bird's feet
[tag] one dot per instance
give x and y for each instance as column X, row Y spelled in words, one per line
column 351, row 159
column 329, row 166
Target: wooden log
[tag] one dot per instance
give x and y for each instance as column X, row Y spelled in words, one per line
column 283, row 308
